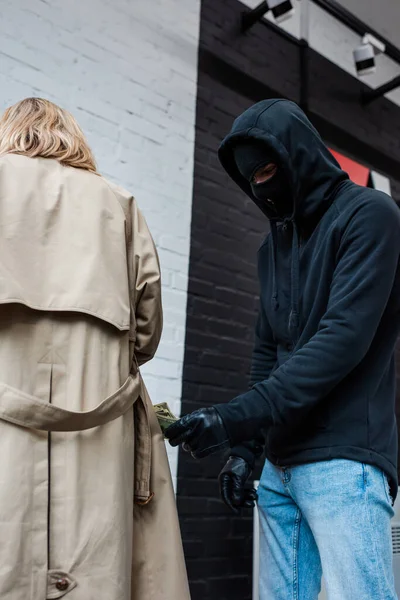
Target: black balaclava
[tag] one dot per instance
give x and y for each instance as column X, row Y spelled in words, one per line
column 250, row 155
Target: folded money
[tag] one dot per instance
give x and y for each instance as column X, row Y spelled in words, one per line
column 164, row 415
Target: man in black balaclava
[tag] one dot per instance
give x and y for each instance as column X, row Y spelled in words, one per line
column 269, row 185
column 322, row 394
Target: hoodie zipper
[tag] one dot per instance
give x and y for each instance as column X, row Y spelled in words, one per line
column 293, row 322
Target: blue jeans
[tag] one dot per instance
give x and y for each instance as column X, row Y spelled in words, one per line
column 331, row 517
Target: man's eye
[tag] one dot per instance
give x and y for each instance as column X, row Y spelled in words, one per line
column 264, row 172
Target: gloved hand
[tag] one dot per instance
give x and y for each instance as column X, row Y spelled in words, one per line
column 202, row 433
column 232, row 481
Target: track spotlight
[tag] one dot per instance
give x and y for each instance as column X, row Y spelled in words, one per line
column 364, row 55
column 281, row 10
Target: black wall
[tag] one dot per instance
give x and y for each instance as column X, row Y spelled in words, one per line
column 234, row 72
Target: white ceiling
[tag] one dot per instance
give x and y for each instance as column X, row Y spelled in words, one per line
column 381, row 15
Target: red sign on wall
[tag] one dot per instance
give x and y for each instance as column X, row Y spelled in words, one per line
column 357, row 173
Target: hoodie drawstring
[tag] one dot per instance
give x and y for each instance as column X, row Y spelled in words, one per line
column 294, row 275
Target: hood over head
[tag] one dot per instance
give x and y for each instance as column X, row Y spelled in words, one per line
column 310, row 173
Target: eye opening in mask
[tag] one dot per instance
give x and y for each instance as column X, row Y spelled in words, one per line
column 264, row 173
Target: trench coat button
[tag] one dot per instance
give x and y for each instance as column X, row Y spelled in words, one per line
column 62, row 584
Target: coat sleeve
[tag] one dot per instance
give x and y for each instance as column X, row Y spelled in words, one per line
column 366, row 268
column 263, row 361
column 146, row 292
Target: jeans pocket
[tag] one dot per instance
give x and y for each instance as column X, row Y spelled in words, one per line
column 387, row 489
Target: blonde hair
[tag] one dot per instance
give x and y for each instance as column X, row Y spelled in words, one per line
column 37, row 127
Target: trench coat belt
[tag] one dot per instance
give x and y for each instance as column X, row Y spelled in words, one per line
column 30, row 412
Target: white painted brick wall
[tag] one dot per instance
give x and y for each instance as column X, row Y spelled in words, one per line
column 127, row 69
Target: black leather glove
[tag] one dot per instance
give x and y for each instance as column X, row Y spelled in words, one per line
column 202, row 433
column 232, row 481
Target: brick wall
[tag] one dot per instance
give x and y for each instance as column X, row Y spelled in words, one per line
column 336, row 42
column 127, row 71
column 226, row 232
column 234, row 72
column 268, row 63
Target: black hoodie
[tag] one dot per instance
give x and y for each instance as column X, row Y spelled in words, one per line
column 323, row 369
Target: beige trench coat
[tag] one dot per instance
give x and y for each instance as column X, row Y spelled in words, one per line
column 87, row 509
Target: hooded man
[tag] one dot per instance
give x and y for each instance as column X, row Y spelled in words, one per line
column 322, row 397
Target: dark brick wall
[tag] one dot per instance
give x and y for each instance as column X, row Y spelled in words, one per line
column 226, row 232
column 265, row 62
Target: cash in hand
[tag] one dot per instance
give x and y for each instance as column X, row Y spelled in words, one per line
column 164, row 415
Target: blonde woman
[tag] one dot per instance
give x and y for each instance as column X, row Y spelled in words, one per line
column 87, row 509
